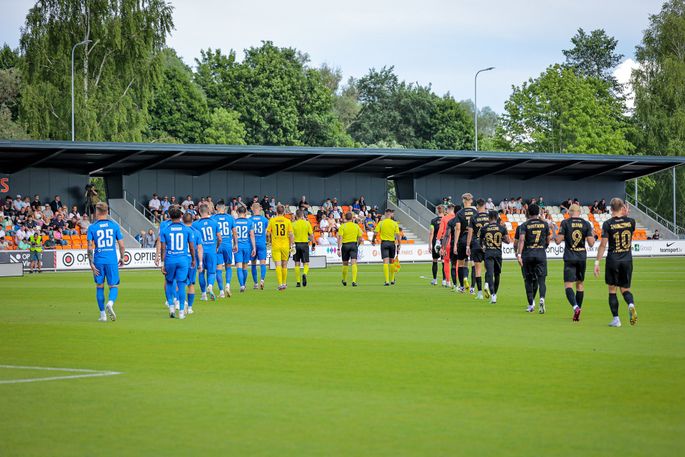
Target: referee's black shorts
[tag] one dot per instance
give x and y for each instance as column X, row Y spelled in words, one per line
column 301, row 252
column 388, row 249
column 349, row 251
column 574, row 270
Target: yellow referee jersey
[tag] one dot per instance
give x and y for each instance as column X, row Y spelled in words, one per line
column 349, row 232
column 388, row 228
column 302, row 229
column 280, row 229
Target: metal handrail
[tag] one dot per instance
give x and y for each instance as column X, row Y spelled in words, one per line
column 139, row 206
column 424, row 201
column 412, row 213
column 122, row 222
column 676, row 229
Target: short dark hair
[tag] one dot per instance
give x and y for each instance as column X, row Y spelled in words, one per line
column 533, row 210
column 493, row 215
column 204, row 209
column 187, row 217
column 349, row 216
column 241, row 210
column 480, row 202
column 174, row 213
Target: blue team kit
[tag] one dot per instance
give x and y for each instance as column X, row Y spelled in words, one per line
column 243, row 227
column 104, row 234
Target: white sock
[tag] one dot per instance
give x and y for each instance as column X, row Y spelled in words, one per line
column 102, row 314
column 631, row 305
column 575, row 307
column 210, row 288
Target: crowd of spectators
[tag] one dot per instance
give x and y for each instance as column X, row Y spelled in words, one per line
column 23, row 217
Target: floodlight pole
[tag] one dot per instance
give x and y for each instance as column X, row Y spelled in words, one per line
column 72, row 85
column 636, row 192
column 475, row 102
column 675, row 226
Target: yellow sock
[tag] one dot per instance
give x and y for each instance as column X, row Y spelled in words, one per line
column 297, row 273
column 278, row 275
column 344, row 272
column 386, row 272
column 306, row 268
column 284, row 275
column 392, row 273
column 354, row 272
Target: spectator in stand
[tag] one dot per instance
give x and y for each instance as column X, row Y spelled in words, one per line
column 72, row 226
column 74, row 213
column 92, row 199
column 2, row 232
column 241, row 202
column 303, row 204
column 172, row 202
column 59, row 238
column 56, row 203
column 23, row 245
column 18, row 204
column 362, row 203
column 324, row 225
column 602, row 207
column 504, row 206
column 327, row 205
column 272, row 205
column 369, row 223
column 150, row 239
column 564, row 207
column 35, row 204
column 4, row 245
column 49, row 241
column 187, row 202
column 356, row 207
column 541, row 202
column 593, row 208
column 656, row 235
column 155, row 206
column 140, row 238
column 58, row 222
column 165, row 205
column 191, row 209
column 84, row 223
column 335, row 213
column 489, row 205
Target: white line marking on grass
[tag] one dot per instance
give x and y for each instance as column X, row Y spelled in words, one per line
column 83, row 373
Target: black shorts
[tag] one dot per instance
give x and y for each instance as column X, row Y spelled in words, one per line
column 388, row 249
column 477, row 253
column 349, row 251
column 301, row 252
column 574, row 270
column 493, row 263
column 535, row 266
column 618, row 273
column 461, row 250
column 434, row 253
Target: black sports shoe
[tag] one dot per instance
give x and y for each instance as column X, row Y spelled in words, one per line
column 344, row 283
column 387, row 284
column 392, row 283
column 304, row 280
column 354, row 284
column 297, row 285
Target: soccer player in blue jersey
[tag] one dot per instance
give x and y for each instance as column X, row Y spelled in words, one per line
column 260, row 223
column 246, row 245
column 176, row 242
column 228, row 246
column 104, row 236
column 211, row 240
column 158, row 251
column 192, row 271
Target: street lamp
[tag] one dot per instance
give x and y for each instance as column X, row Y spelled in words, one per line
column 72, row 84
column 475, row 100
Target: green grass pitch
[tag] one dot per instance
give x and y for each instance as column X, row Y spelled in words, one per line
column 327, row 370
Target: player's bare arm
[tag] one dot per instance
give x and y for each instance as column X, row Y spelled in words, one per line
column 91, row 249
column 191, row 247
column 252, row 242
column 122, row 251
column 163, row 256
column 235, row 240
column 600, row 254
column 469, row 236
column 200, row 253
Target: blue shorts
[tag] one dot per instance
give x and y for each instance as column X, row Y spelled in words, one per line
column 260, row 252
column 109, row 272
column 192, row 275
column 209, row 258
column 177, row 271
column 225, row 254
column 243, row 254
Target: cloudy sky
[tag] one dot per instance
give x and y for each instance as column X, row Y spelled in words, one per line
column 442, row 42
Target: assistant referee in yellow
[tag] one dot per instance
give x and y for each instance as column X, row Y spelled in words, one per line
column 350, row 236
column 389, row 232
column 304, row 236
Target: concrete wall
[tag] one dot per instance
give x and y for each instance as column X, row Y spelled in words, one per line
column 553, row 189
column 286, row 187
column 47, row 183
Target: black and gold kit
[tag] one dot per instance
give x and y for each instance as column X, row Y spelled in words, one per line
column 575, row 230
column 463, row 217
column 476, row 224
column 619, row 265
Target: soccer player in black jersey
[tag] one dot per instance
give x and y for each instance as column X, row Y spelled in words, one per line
column 473, row 247
column 435, row 250
column 575, row 232
column 492, row 235
column 461, row 222
column 534, row 238
column 617, row 232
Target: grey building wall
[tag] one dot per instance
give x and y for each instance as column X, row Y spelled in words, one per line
column 553, row 189
column 47, row 183
column 287, row 187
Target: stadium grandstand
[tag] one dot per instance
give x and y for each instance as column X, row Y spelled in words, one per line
column 142, row 180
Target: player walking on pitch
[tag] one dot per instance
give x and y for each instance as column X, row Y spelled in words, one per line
column 435, row 246
column 227, row 248
column 244, row 228
column 535, row 236
column 259, row 223
column 389, row 233
column 211, row 240
column 196, row 239
column 473, row 246
column 617, row 233
column 444, row 237
column 104, row 236
column 303, row 233
column 350, row 236
column 280, row 233
column 175, row 241
column 492, row 235
column 575, row 232
column 462, row 220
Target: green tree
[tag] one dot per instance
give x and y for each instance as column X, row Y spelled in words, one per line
column 10, row 82
column 660, row 101
column 9, row 58
column 452, row 125
column 115, row 73
column 280, row 100
column 224, row 128
column 562, row 111
column 593, row 54
column 178, row 109
column 488, row 120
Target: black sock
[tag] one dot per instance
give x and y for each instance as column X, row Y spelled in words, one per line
column 496, row 286
column 570, row 296
column 443, row 272
column 453, row 273
column 530, row 290
column 465, row 273
column 435, row 270
column 473, row 274
column 543, row 286
column 461, row 276
column 579, row 298
column 613, row 304
column 533, row 288
column 479, row 283
column 628, row 297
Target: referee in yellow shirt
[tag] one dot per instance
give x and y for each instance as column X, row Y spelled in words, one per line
column 389, row 232
column 349, row 238
column 304, row 236
column 279, row 232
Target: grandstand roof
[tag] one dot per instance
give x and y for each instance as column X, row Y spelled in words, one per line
column 99, row 159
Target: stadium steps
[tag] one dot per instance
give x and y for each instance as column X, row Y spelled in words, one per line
column 650, row 224
column 130, row 219
column 416, row 226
